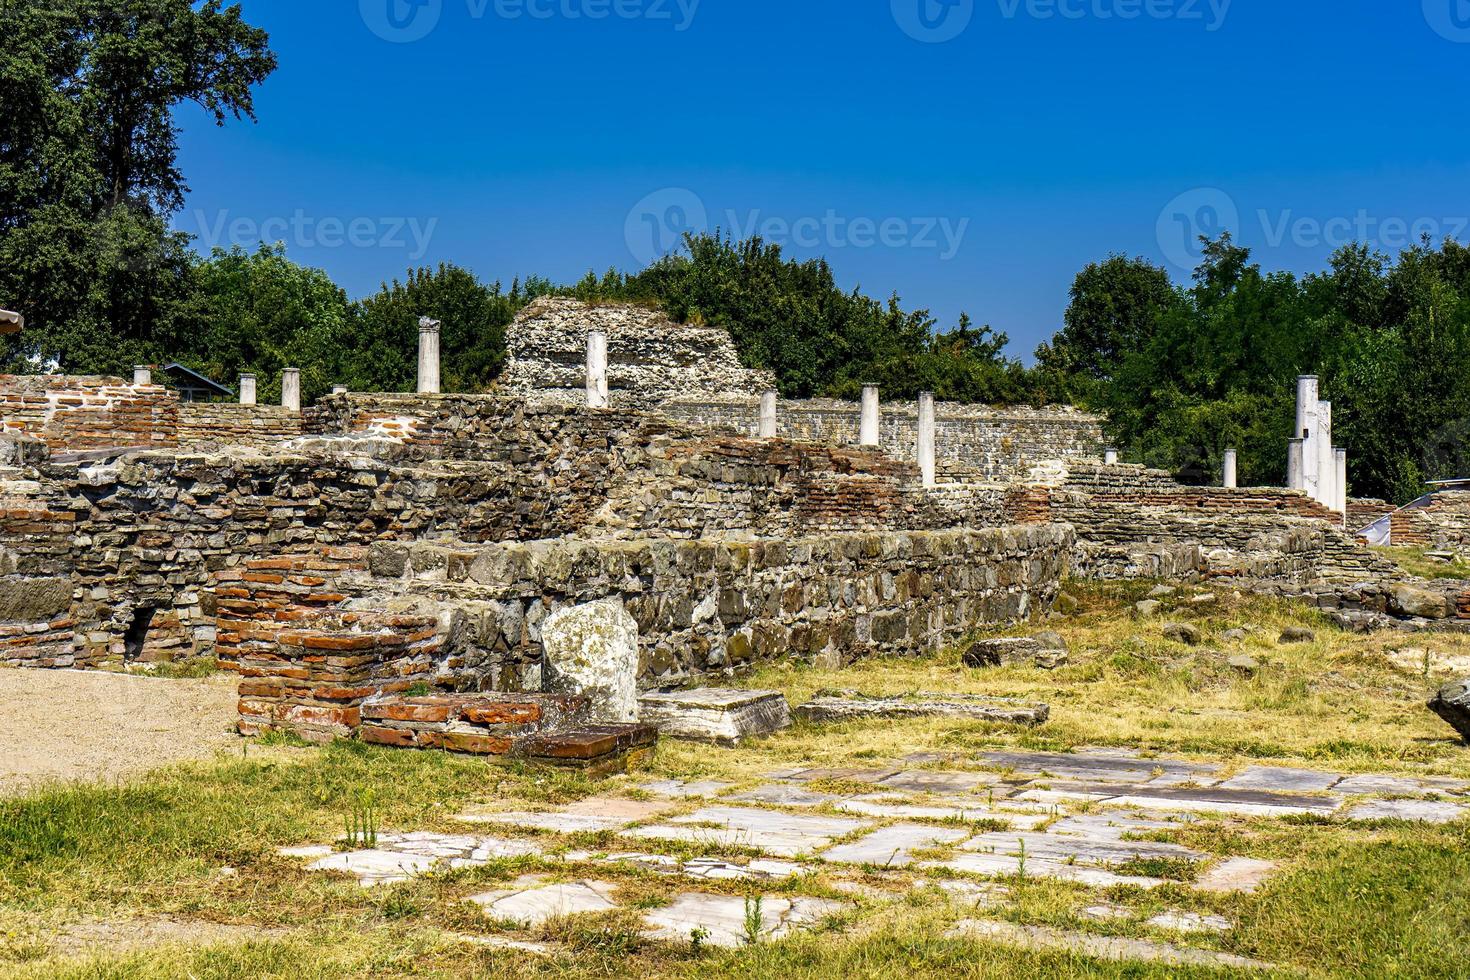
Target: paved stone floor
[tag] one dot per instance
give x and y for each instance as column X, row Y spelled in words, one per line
column 1097, row 818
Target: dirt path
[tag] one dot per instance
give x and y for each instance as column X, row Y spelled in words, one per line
column 74, row 725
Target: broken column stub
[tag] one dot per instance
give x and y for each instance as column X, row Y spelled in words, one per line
column 592, row 650
column 722, row 716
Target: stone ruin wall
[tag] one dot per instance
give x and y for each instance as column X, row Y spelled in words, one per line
column 1132, row 522
column 314, row 636
column 650, row 357
column 973, row 442
column 71, row 414
column 228, row 424
column 119, row 558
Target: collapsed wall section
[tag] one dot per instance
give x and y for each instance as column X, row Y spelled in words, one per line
column 650, row 357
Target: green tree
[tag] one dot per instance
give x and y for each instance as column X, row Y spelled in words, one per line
column 88, row 166
column 261, row 313
column 383, row 352
column 1115, row 308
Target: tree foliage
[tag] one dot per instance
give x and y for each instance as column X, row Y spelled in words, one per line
column 1215, row 367
column 88, row 167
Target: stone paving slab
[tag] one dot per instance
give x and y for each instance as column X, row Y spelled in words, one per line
column 845, row 775
column 784, row 794
column 1001, row 865
column 1098, row 850
column 1114, row 825
column 1190, row 922
column 1111, row 948
column 529, row 902
column 680, row 789
column 375, row 867
column 1421, row 811
column 398, row 857
column 592, row 815
column 781, row 834
column 1400, row 785
column 722, row 918
column 1245, row 802
column 1238, row 874
column 893, row 847
column 706, row 869
column 1281, row 780
column 1096, row 767
column 928, row 781
column 882, row 806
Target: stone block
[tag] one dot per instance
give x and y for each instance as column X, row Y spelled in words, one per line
column 592, row 651
column 829, row 706
column 722, row 716
column 1452, row 703
column 1045, row 650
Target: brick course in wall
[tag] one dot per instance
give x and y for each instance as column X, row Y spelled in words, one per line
column 71, row 413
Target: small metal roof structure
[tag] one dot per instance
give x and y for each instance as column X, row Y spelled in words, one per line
column 1461, row 484
column 193, row 386
column 11, row 322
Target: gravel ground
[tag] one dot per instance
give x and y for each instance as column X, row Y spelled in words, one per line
column 89, row 726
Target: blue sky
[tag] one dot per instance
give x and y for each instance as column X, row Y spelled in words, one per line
column 970, row 154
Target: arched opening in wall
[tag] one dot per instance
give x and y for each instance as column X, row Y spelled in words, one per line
column 136, row 637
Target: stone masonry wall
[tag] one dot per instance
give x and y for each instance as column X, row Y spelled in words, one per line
column 710, row 605
column 223, row 424
column 71, row 414
column 994, row 444
column 650, row 357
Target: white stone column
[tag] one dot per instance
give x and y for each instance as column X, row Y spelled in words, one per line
column 1232, row 462
column 1294, row 463
column 1306, row 430
column 142, row 374
column 597, row 370
column 428, row 356
column 1326, row 468
column 247, row 389
column 1110, row 457
column 869, row 434
column 1339, row 461
column 926, row 437
column 291, row 389
column 767, row 429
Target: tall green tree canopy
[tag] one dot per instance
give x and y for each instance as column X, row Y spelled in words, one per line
column 88, row 166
